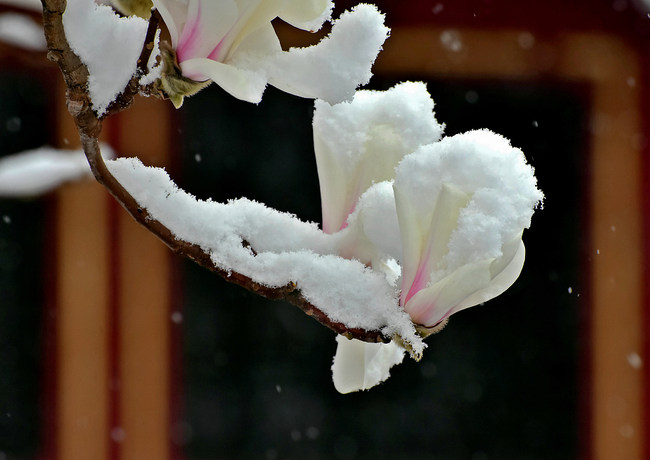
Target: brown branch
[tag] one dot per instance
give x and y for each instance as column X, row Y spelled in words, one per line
column 75, row 75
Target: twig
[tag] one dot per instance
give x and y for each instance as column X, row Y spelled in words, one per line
column 75, row 75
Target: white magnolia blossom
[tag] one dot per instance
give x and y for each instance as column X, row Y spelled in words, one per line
column 361, row 142
column 445, row 225
column 233, row 43
column 462, row 205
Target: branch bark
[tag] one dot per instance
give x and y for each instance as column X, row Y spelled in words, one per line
column 75, row 75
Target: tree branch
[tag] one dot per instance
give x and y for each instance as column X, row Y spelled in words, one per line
column 75, row 75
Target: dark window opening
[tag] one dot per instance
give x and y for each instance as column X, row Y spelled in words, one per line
column 503, row 380
column 23, row 126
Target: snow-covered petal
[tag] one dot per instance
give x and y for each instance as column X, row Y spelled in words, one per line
column 332, row 69
column 239, row 33
column 362, row 365
column 425, row 236
column 373, row 235
column 360, row 142
column 462, row 205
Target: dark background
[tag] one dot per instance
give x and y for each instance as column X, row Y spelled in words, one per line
column 503, row 381
column 23, row 122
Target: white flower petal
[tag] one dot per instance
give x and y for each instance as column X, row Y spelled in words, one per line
column 307, row 14
column 425, row 235
column 207, row 24
column 432, row 304
column 361, row 365
column 360, row 142
column 263, row 40
column 174, row 15
column 253, row 15
column 242, row 84
column 373, row 233
column 468, row 286
column 504, row 277
column 467, row 253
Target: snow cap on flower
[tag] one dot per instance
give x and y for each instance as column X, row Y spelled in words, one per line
column 233, row 43
column 360, row 142
column 462, row 205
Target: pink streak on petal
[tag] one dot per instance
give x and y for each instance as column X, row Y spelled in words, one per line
column 215, row 54
column 189, row 37
column 345, row 222
column 419, row 282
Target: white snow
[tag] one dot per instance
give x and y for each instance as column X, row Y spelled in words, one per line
column 442, row 219
column 287, row 250
column 154, row 65
column 361, row 142
column 335, row 67
column 22, row 31
column 109, row 45
column 484, row 166
column 39, row 171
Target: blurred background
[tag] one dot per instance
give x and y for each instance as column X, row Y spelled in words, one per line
column 111, row 347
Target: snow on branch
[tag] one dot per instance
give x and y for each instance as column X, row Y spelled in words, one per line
column 88, row 122
column 274, row 249
column 416, row 226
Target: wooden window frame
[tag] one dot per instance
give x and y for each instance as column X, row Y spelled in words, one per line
column 114, row 295
column 617, row 417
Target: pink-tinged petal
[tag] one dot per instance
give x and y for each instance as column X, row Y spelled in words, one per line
column 431, row 305
column 242, row 84
column 473, row 251
column 420, row 280
column 207, row 24
column 425, row 236
column 361, row 365
column 468, row 286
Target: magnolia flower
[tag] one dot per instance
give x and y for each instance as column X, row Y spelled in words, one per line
column 457, row 207
column 233, row 43
column 462, row 205
column 360, row 142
